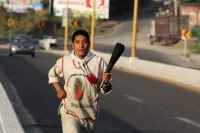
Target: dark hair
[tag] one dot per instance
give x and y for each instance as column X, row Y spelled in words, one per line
column 81, row 32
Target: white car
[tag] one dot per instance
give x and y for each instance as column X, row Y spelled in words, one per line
column 47, row 42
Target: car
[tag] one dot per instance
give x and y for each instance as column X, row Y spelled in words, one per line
column 22, row 44
column 49, row 41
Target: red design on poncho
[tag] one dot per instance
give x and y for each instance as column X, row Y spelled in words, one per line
column 78, row 90
column 92, row 79
column 78, row 93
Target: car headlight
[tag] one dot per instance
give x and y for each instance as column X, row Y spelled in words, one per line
column 13, row 47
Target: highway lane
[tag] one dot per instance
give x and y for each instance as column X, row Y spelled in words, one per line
column 136, row 105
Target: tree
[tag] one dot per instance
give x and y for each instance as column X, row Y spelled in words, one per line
column 3, row 21
column 23, row 24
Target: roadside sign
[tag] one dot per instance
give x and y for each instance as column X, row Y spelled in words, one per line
column 185, row 34
column 73, row 23
column 10, row 22
column 41, row 24
column 66, row 14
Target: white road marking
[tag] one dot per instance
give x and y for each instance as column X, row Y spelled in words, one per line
column 188, row 121
column 133, row 98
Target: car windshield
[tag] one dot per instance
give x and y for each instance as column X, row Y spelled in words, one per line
column 49, row 37
column 21, row 39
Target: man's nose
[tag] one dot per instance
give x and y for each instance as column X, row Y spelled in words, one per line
column 81, row 45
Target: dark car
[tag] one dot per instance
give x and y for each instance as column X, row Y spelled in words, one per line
column 22, row 44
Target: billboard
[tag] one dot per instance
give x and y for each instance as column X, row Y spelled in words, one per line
column 20, row 6
column 18, row 2
column 193, row 12
column 102, row 7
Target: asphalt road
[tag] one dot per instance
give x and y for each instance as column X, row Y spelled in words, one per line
column 136, row 105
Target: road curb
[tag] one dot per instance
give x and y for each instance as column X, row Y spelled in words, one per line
column 9, row 121
column 181, row 75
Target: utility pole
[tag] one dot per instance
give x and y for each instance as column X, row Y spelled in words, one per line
column 66, row 26
column 175, row 7
column 11, row 17
column 54, row 29
column 134, row 34
column 92, row 25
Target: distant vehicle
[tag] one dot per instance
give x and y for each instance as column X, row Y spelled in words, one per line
column 22, row 44
column 49, row 40
column 167, row 28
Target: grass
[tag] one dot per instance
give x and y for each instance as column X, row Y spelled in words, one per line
column 197, row 49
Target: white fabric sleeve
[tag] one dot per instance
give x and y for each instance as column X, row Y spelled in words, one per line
column 55, row 72
column 103, row 69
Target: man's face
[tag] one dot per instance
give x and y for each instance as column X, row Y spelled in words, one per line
column 81, row 46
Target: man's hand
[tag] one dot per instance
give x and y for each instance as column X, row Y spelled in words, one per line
column 61, row 93
column 106, row 78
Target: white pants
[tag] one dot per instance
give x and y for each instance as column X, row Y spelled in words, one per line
column 71, row 124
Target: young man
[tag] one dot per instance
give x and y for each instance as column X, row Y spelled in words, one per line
column 83, row 72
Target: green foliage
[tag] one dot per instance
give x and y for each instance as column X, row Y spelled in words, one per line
column 3, row 21
column 195, row 48
column 195, row 45
column 193, row 32
column 23, row 24
column 83, row 19
column 45, row 4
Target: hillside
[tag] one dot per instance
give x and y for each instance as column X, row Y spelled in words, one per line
column 118, row 10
